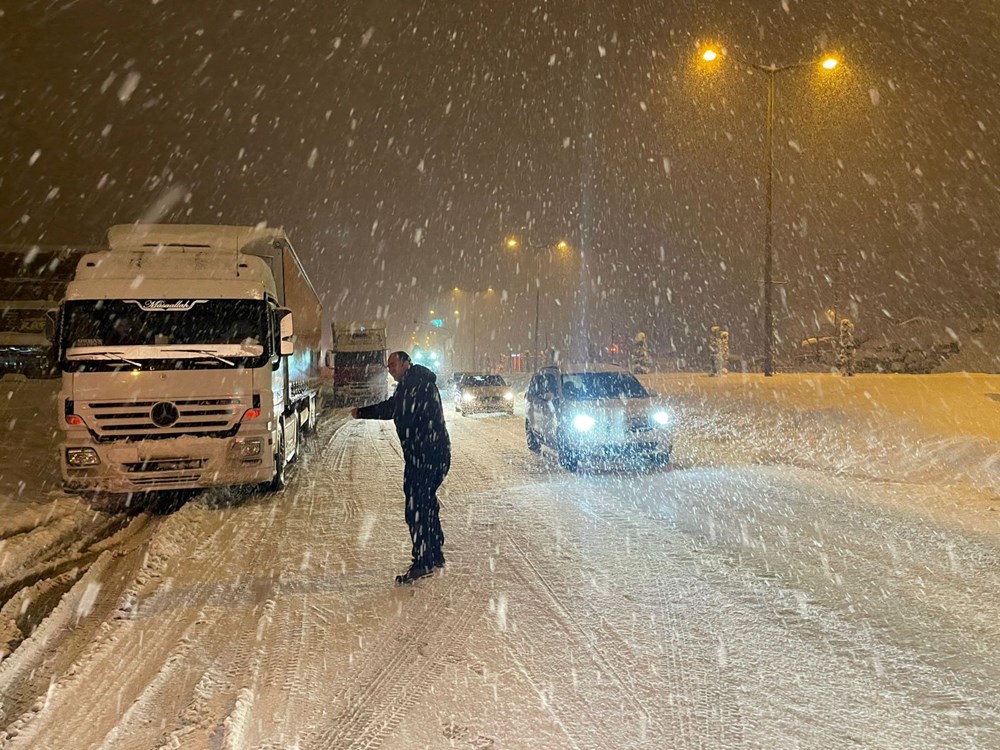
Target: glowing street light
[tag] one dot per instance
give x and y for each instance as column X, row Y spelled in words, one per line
column 828, row 63
column 562, row 246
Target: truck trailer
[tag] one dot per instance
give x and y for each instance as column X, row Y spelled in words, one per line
column 359, row 372
column 190, row 358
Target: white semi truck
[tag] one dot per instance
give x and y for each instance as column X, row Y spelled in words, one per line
column 180, row 365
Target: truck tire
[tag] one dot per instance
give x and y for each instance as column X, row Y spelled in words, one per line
column 293, row 454
column 313, row 414
column 277, row 482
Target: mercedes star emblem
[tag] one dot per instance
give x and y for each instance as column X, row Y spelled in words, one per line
column 164, row 414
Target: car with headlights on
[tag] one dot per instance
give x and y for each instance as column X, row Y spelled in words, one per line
column 595, row 411
column 480, row 394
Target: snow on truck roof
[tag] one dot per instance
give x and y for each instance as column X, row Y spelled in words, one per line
column 208, row 236
column 360, row 326
column 144, row 254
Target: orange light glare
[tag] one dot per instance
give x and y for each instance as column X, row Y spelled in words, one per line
column 710, row 55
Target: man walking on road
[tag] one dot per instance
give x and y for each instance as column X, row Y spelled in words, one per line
column 415, row 408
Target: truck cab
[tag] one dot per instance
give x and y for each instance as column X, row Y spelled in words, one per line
column 178, row 359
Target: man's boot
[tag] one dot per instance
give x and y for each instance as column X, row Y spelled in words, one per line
column 415, row 571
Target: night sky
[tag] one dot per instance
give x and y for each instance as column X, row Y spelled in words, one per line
column 399, row 142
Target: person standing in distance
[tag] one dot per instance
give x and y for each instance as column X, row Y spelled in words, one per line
column 416, row 410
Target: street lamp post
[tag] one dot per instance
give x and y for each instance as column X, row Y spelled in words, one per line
column 828, row 63
column 513, row 243
column 475, row 315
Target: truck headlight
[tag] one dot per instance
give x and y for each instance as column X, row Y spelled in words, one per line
column 509, row 396
column 82, row 457
column 583, row 422
column 247, row 447
column 467, row 396
column 662, row 418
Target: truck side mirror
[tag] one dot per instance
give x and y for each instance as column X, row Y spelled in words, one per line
column 51, row 323
column 286, row 332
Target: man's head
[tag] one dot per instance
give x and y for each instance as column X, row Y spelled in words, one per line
column 398, row 364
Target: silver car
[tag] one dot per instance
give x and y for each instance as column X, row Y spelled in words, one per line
column 480, row 394
column 595, row 411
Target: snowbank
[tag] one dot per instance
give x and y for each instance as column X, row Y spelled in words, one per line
column 942, row 428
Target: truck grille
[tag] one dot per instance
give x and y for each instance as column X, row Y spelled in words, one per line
column 165, row 464
column 123, row 419
column 158, row 482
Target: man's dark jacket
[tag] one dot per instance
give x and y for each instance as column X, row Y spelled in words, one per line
column 415, row 408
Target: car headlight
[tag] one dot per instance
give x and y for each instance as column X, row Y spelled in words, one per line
column 82, row 457
column 467, row 397
column 661, row 418
column 583, row 422
column 509, row 396
column 247, row 447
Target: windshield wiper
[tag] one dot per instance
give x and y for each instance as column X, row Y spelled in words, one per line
column 116, row 355
column 207, row 353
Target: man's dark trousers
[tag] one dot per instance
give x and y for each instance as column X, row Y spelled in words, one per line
column 420, row 485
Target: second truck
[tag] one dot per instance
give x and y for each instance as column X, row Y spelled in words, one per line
column 359, row 372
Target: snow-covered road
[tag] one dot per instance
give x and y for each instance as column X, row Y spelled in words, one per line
column 710, row 605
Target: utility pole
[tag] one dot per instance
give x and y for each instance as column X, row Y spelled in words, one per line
column 768, row 245
column 534, row 340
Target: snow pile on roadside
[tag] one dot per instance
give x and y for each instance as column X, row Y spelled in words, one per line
column 29, row 432
column 932, row 428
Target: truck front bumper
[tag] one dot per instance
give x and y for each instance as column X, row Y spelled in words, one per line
column 170, row 464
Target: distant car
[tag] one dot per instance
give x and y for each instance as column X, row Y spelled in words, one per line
column 595, row 411
column 477, row 394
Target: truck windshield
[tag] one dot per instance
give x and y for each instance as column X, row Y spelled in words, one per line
column 360, row 359
column 585, row 386
column 172, row 333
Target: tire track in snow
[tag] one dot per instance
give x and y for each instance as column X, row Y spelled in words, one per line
column 103, row 611
column 633, row 706
column 408, row 659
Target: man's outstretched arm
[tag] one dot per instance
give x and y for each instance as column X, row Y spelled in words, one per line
column 382, row 410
